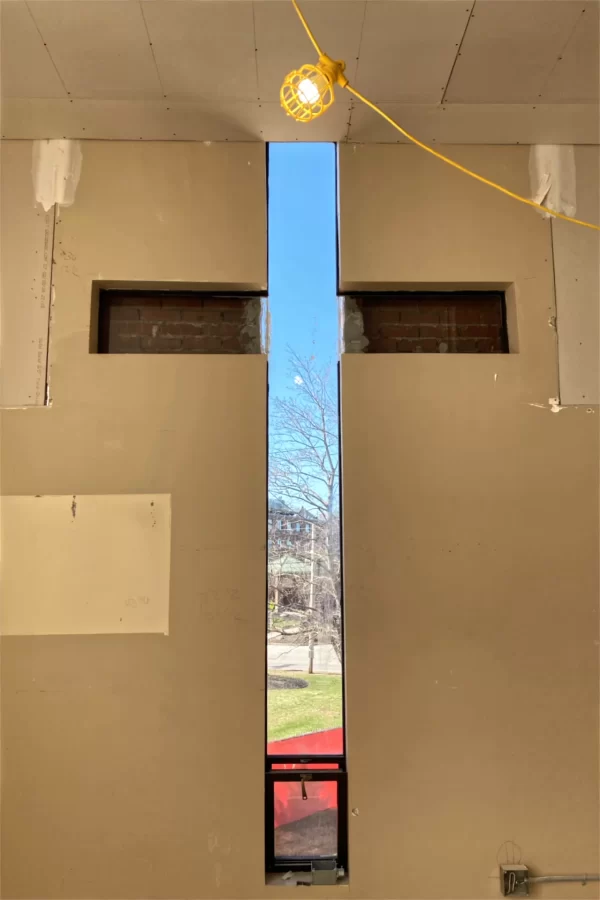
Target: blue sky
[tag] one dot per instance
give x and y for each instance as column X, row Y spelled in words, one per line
column 302, row 256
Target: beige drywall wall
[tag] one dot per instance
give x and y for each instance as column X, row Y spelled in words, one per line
column 577, row 268
column 85, row 564
column 471, row 553
column 26, row 237
column 132, row 763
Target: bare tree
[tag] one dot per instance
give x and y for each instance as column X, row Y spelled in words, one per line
column 304, row 484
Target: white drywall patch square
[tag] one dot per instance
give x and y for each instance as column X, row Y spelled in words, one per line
column 85, row 564
column 577, row 279
column 26, row 238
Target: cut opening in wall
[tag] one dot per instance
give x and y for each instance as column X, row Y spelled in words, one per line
column 305, row 770
column 426, row 322
column 180, row 322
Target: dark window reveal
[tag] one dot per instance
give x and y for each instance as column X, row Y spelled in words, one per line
column 409, row 322
column 131, row 321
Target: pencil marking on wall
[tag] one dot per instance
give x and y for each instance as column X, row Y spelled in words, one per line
column 509, row 852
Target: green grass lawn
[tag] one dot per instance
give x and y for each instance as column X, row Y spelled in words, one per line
column 305, row 710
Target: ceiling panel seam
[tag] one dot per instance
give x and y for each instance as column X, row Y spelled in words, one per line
column 258, row 91
column 458, row 51
column 351, row 107
column 160, row 81
column 255, row 52
column 561, row 54
column 47, row 49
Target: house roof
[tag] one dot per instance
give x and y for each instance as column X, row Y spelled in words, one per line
column 288, row 565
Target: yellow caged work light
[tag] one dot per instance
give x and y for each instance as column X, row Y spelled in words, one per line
column 307, row 93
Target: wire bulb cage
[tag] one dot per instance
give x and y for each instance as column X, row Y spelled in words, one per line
column 307, row 93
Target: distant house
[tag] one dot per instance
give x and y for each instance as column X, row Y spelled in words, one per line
column 289, row 548
column 288, row 528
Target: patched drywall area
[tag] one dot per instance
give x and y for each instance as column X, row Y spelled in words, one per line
column 471, row 530
column 577, row 275
column 81, row 564
column 254, row 340
column 56, row 172
column 26, row 240
column 553, row 177
column 143, row 729
column 352, row 327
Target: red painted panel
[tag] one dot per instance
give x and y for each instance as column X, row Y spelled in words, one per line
column 323, row 794
column 331, row 741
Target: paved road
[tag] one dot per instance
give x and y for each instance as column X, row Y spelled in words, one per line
column 289, row 658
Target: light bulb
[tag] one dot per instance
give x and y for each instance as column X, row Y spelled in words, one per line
column 308, row 92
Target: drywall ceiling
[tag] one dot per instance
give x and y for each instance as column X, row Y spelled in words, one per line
column 485, row 71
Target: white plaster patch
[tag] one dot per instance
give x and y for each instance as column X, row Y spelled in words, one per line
column 552, row 176
column 353, row 335
column 56, row 172
column 26, row 239
column 265, row 328
column 252, row 327
column 553, row 405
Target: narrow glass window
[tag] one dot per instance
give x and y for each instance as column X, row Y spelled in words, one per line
column 305, row 752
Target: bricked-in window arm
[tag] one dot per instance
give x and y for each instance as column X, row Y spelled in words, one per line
column 425, row 322
column 152, row 322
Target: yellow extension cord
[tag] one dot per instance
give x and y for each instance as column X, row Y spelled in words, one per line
column 450, row 162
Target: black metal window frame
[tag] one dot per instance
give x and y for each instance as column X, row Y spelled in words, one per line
column 339, row 776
